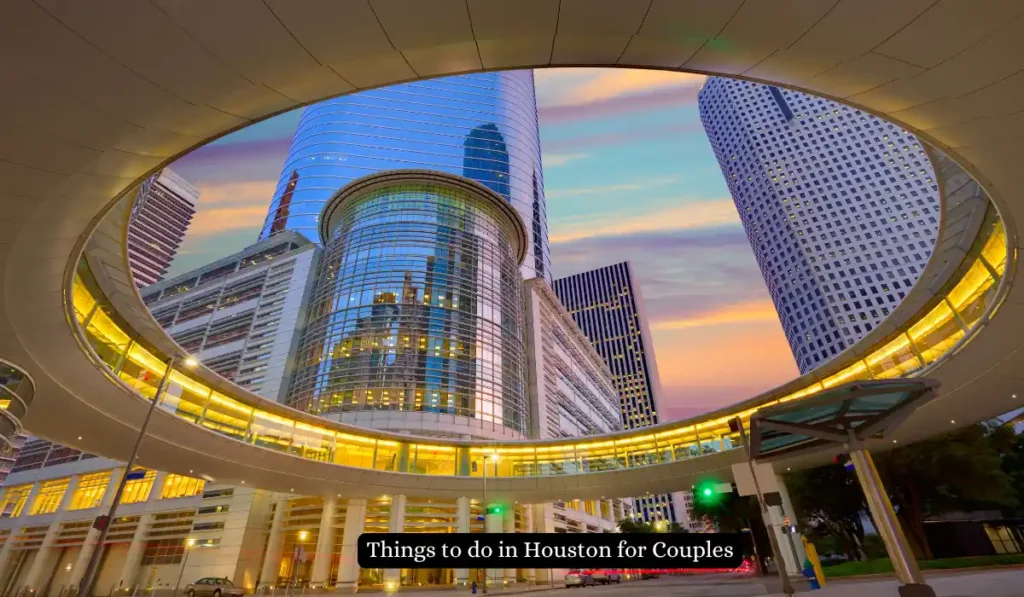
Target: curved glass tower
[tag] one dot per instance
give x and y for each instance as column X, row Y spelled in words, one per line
column 417, row 308
column 481, row 126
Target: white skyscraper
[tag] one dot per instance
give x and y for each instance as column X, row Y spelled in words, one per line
column 840, row 207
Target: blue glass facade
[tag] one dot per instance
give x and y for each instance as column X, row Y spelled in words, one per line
column 481, row 126
column 417, row 307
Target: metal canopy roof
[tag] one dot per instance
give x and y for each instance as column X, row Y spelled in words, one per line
column 851, row 413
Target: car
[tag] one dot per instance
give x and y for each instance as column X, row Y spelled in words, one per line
column 579, row 578
column 605, row 577
column 214, row 587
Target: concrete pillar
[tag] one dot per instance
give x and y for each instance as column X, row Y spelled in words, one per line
column 134, row 557
column 78, row 569
column 6, row 552
column 275, row 541
column 531, row 573
column 882, row 514
column 324, row 545
column 508, row 524
column 793, row 542
column 462, row 526
column 42, row 564
column 159, row 479
column 494, row 523
column 396, row 524
column 348, row 566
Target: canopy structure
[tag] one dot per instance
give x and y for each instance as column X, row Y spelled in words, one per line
column 849, row 414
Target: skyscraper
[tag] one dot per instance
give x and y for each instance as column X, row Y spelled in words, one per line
column 840, row 207
column 160, row 218
column 481, row 126
column 608, row 308
column 417, row 309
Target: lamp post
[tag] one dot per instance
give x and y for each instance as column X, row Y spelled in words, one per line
column 493, row 458
column 103, row 522
column 295, row 559
column 189, row 544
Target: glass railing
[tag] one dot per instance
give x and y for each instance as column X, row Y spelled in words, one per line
column 939, row 329
column 16, row 393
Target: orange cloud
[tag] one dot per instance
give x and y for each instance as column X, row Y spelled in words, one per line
column 208, row 222
column 759, row 311
column 256, row 192
column 700, row 214
column 588, row 85
column 754, row 356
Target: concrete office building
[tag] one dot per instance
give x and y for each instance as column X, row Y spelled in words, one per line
column 608, row 308
column 840, row 207
column 481, row 126
column 49, row 503
column 240, row 315
column 163, row 210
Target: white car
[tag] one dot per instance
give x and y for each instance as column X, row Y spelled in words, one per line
column 604, row 577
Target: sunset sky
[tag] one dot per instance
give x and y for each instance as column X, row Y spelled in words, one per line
column 629, row 175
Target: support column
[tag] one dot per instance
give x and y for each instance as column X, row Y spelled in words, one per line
column 135, row 550
column 531, row 573
column 324, row 546
column 793, row 542
column 493, row 523
column 78, row 570
column 5, row 554
column 396, row 524
column 508, row 525
column 542, row 519
column 775, row 520
column 462, row 526
column 348, row 566
column 903, row 561
column 34, row 579
column 271, row 569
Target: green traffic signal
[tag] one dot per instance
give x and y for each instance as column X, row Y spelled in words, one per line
column 710, row 493
column 494, row 509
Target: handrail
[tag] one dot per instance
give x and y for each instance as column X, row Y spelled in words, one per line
column 953, row 299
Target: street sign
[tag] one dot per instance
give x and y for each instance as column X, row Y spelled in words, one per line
column 135, row 475
column 745, row 481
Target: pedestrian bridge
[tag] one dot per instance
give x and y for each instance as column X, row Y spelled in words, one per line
column 97, row 98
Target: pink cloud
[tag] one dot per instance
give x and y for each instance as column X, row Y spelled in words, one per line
column 699, row 214
column 579, row 94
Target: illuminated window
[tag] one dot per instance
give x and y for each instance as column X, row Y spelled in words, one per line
column 50, row 495
column 177, row 486
column 90, row 491
column 13, row 501
column 137, row 490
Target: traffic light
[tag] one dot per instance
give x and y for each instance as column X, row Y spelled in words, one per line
column 710, row 493
column 496, row 509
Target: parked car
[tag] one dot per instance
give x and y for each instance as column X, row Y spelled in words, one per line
column 213, row 587
column 605, row 577
column 579, row 578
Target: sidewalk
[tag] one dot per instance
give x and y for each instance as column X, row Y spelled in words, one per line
column 951, row 583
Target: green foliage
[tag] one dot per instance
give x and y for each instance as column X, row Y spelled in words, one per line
column 961, row 471
column 629, row 525
column 730, row 513
column 884, row 566
column 830, row 503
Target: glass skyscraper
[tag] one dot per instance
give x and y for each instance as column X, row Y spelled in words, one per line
column 481, row 126
column 840, row 207
column 417, row 305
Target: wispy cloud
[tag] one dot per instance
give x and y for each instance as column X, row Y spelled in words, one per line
column 230, row 206
column 557, row 193
column 580, row 94
column 636, row 135
column 700, row 214
column 224, row 219
column 554, row 160
column 729, row 314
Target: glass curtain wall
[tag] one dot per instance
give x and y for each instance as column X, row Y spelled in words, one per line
column 417, row 307
column 481, row 126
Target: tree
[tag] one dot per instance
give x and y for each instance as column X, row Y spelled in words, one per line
column 629, row 525
column 829, row 501
column 731, row 514
column 961, row 471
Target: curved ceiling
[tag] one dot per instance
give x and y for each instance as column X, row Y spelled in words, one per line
column 97, row 96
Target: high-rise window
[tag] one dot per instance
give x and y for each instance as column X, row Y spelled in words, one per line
column 90, row 491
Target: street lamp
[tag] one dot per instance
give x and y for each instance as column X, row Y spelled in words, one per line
column 189, row 544
column 103, row 522
column 494, row 459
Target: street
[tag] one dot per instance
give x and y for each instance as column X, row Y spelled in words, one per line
column 984, row 583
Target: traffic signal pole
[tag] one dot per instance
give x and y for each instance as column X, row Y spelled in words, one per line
column 780, row 564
